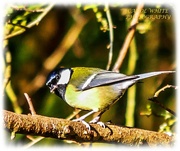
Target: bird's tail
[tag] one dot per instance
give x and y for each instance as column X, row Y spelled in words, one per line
column 151, row 74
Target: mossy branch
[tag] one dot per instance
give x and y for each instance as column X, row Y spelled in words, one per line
column 68, row 130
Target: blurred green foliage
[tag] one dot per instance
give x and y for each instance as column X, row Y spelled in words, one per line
column 153, row 45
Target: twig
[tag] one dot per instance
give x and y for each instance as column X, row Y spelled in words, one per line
column 75, row 112
column 7, row 83
column 111, row 36
column 31, row 108
column 129, row 37
column 162, row 89
column 34, row 141
column 35, row 22
column 22, row 26
column 27, row 10
column 12, row 96
column 155, row 100
column 76, row 131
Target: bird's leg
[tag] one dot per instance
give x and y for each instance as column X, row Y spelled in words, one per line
column 97, row 120
column 81, row 119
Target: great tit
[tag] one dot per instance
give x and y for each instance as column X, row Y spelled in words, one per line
column 92, row 89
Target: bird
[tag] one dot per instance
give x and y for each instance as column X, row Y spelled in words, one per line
column 92, row 89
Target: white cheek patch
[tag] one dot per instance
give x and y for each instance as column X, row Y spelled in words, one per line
column 65, row 77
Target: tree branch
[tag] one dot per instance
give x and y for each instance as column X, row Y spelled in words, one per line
column 76, row 131
column 33, row 23
column 128, row 39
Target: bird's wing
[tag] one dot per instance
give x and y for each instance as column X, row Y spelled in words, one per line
column 105, row 78
column 108, row 77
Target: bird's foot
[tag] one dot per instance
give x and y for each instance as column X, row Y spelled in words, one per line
column 96, row 121
column 83, row 122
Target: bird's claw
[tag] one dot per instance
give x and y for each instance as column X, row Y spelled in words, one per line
column 83, row 122
column 101, row 124
column 93, row 121
column 96, row 121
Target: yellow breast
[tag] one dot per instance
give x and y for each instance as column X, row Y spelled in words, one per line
column 96, row 99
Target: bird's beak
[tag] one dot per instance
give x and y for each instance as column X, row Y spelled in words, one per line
column 53, row 88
